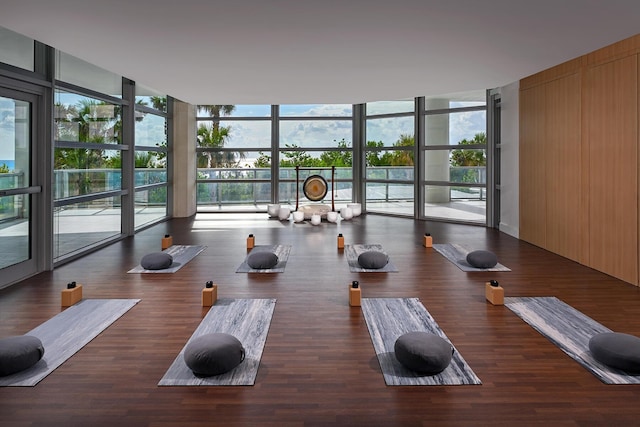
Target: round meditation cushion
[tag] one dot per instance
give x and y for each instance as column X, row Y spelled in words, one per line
column 617, row 350
column 213, row 354
column 18, row 353
column 262, row 260
column 482, row 259
column 423, row 352
column 156, row 261
column 373, row 259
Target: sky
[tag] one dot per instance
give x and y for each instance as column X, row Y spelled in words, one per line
column 7, row 129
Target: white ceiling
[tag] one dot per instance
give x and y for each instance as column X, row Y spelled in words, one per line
column 322, row 51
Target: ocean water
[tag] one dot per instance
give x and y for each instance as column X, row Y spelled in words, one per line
column 10, row 163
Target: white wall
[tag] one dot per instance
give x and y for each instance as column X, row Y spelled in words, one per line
column 509, row 173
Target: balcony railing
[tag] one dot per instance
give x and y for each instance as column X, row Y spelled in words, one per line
column 251, row 186
column 11, row 207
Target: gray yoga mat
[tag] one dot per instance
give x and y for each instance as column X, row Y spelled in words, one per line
column 389, row 318
column 570, row 330
column 246, row 319
column 457, row 254
column 352, row 252
column 281, row 251
column 66, row 333
column 181, row 254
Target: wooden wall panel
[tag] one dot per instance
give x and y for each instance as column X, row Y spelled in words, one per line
column 532, row 166
column 565, row 222
column 559, row 71
column 610, row 126
column 624, row 48
column 579, row 129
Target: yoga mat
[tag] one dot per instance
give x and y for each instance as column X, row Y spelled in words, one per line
column 66, row 333
column 181, row 254
column 568, row 329
column 246, row 319
column 353, row 252
column 389, row 318
column 281, row 251
column 457, row 254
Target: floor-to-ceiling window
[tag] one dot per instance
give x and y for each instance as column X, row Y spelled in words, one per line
column 455, row 157
column 423, row 157
column 25, row 136
column 237, row 145
column 315, row 138
column 389, row 153
column 150, row 159
column 233, row 157
column 88, row 152
column 110, row 157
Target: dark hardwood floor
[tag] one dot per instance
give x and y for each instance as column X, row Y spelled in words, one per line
column 319, row 367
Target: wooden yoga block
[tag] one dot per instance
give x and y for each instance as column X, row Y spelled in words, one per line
column 71, row 296
column 167, row 242
column 209, row 296
column 494, row 294
column 355, row 296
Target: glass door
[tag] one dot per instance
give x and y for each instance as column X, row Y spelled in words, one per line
column 18, row 192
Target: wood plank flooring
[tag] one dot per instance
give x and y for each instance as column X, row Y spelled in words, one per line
column 319, row 367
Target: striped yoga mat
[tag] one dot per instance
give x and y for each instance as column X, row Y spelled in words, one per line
column 570, row 330
column 388, row 319
column 66, row 333
column 246, row 319
column 281, row 251
column 457, row 254
column 352, row 252
column 181, row 254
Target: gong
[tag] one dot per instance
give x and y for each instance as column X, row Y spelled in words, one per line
column 315, row 188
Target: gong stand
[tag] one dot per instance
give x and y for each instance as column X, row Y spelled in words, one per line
column 333, row 175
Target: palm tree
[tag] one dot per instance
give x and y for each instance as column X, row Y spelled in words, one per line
column 215, row 137
column 159, row 102
column 467, row 157
column 217, row 110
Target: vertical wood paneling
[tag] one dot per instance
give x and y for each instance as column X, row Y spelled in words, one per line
column 565, row 223
column 611, row 119
column 532, row 166
column 586, row 113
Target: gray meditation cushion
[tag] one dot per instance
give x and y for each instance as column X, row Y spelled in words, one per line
column 423, row 352
column 482, row 259
column 18, row 353
column 156, row 261
column 262, row 260
column 213, row 354
column 373, row 259
column 617, row 350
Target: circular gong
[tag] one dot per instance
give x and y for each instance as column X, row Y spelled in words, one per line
column 315, row 188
